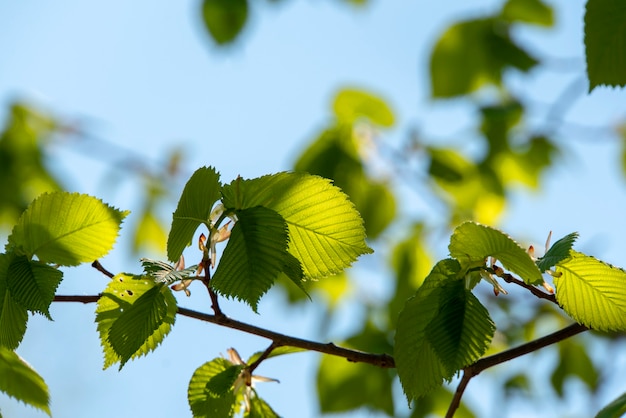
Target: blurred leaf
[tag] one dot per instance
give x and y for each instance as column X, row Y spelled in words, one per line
column 224, row 19
column 526, row 165
column 134, row 315
column 615, row 409
column 149, row 233
column 473, row 53
column 472, row 243
column 13, row 316
column 194, row 207
column 325, row 230
column 497, row 122
column 605, row 43
column 66, row 229
column 574, row 362
column 529, row 11
column 254, row 256
column 350, row 105
column 558, row 252
column 592, row 292
column 260, row 409
column 203, row 402
column 20, row 381
column 436, row 403
column 33, row 284
column 518, row 383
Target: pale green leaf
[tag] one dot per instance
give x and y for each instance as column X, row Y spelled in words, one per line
column 256, row 253
column 558, row 252
column 325, row 230
column 66, row 229
column 203, row 402
column 194, row 207
column 472, row 243
column 592, row 292
column 413, row 349
column 163, row 272
column 32, row 284
column 13, row 316
column 134, row 315
column 615, row 409
column 605, row 42
column 350, row 105
column 260, row 409
column 20, row 381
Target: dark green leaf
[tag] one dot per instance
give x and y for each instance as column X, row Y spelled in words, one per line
column 615, row 409
column 33, row 284
column 558, row 252
column 574, row 361
column 222, row 382
column 224, row 19
column 13, row 316
column 203, row 402
column 20, row 381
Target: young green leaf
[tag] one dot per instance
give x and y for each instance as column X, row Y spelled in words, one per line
column 163, row 272
column 256, row 253
column 20, row 381
column 325, row 230
column 615, row 409
column 558, row 252
column 203, row 399
column 13, row 316
column 134, row 315
column 194, row 207
column 260, row 409
column 592, row 292
column 66, row 229
column 472, row 242
column 32, row 284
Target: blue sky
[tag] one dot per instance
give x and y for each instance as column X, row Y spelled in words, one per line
column 145, row 76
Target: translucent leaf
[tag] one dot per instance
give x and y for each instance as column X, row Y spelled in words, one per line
column 529, row 11
column 149, row 233
column 325, row 230
column 592, row 292
column 351, row 104
column 66, row 229
column 558, row 252
column 260, row 409
column 32, row 284
column 615, row 409
column 605, row 42
column 203, row 402
column 13, row 316
column 20, row 381
column 471, row 243
column 194, row 207
column 163, row 272
column 224, row 19
column 134, row 315
column 254, row 256
column 222, row 383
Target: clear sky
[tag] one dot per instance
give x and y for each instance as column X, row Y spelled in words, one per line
column 145, row 76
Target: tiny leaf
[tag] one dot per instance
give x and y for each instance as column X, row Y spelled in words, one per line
column 20, row 381
column 558, row 252
column 224, row 19
column 203, row 402
column 163, row 272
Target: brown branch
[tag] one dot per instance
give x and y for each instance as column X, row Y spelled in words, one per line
column 274, row 345
column 96, row 264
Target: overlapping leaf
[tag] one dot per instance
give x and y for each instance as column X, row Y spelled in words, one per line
column 20, row 381
column 32, row 284
column 471, row 242
column 256, row 253
column 558, row 252
column 194, row 207
column 592, row 292
column 326, row 232
column 206, row 400
column 260, row 409
column 66, row 229
column 13, row 316
column 163, row 272
column 134, row 315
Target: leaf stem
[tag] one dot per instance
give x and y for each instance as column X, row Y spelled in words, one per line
column 96, row 264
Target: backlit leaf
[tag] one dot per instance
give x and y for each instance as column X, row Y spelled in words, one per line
column 33, row 284
column 66, row 229
column 592, row 292
column 203, row 402
column 558, row 252
column 20, row 381
column 260, row 409
column 224, row 19
column 351, row 104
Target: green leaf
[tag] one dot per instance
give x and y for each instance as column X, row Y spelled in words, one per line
column 134, row 315
column 529, row 11
column 194, row 207
column 224, row 19
column 32, row 284
column 222, row 383
column 325, row 230
column 615, row 409
column 574, row 361
column 20, row 381
column 162, row 272
column 202, row 401
column 260, row 409
column 351, row 104
column 473, row 53
column 592, row 292
column 558, row 252
column 66, row 229
column 254, row 256
column 280, row 351
column 605, row 42
column 471, row 243
column 13, row 316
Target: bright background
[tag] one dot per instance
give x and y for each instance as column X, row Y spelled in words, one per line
column 143, row 75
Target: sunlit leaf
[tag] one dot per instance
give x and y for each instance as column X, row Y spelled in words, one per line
column 194, row 207
column 558, row 252
column 224, row 19
column 66, row 228
column 149, row 233
column 134, row 315
column 592, row 292
column 203, row 402
column 222, row 382
column 260, row 409
column 351, row 104
column 33, row 284
column 163, row 272
column 471, row 242
column 20, row 381
column 529, row 11
column 615, row 409
column 605, row 42
column 326, row 232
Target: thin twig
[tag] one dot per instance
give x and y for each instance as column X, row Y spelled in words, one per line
column 96, row 264
column 274, row 345
column 456, row 400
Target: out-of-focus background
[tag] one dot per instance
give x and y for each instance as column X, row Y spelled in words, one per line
column 426, row 113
